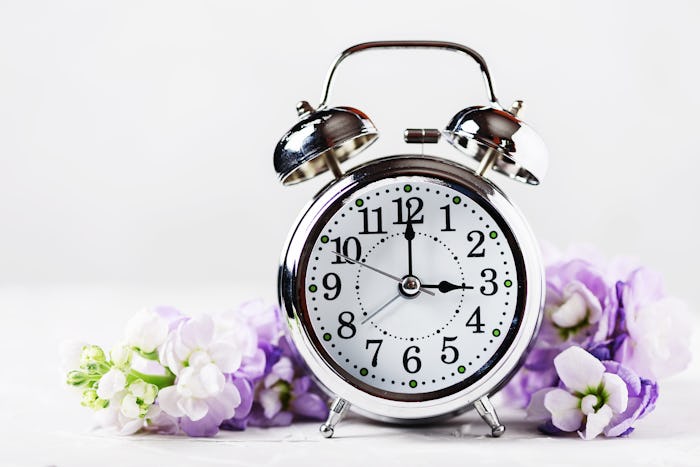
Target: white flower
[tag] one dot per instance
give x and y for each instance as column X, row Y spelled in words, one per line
column 659, row 343
column 590, row 399
column 146, row 331
column 111, row 384
column 121, row 356
column 199, row 356
column 129, row 407
column 197, row 337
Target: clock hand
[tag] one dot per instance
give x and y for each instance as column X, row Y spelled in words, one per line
column 380, row 308
column 445, row 286
column 409, row 235
column 396, row 279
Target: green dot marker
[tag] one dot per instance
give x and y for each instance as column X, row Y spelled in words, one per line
column 461, row 369
column 493, row 234
column 496, row 333
column 324, row 239
column 313, row 288
column 413, row 383
column 508, row 283
column 364, row 371
column 456, row 200
column 359, row 203
column 407, row 188
column 327, row 336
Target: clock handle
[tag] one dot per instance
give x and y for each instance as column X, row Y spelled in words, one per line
column 452, row 46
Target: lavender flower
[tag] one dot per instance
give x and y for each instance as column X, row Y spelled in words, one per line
column 589, row 397
column 654, row 329
column 617, row 311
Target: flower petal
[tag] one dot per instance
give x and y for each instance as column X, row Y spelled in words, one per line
column 270, row 401
column 111, row 383
column 536, row 409
column 596, row 422
column 617, row 392
column 226, row 356
column 193, row 408
column 578, row 369
column 310, row 405
column 198, row 332
column 563, row 406
column 168, row 401
column 212, row 380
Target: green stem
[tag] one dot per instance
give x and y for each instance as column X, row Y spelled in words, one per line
column 147, row 355
column 159, row 380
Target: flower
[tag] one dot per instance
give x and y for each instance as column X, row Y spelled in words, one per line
column 285, row 394
column 590, row 399
column 642, row 394
column 201, row 356
column 577, row 303
column 146, row 331
column 655, row 329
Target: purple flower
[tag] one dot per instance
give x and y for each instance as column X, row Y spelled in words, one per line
column 653, row 329
column 283, row 396
column 641, row 399
column 579, row 311
column 578, row 305
column 590, row 400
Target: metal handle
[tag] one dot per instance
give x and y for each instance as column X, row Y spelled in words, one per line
column 411, row 45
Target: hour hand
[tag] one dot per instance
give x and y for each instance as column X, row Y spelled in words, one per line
column 446, row 286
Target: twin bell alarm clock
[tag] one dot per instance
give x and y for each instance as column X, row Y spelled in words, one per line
column 412, row 286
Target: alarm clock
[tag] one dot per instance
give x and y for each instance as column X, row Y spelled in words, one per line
column 412, row 286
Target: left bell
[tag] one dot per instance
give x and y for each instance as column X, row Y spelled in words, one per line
column 320, row 141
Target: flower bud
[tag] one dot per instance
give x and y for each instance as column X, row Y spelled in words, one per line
column 91, row 400
column 121, row 356
column 144, row 392
column 92, row 354
column 76, row 378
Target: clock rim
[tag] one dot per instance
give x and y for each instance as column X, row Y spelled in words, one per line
column 325, row 375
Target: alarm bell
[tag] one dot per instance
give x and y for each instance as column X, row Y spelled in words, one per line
column 320, row 141
column 325, row 137
column 499, row 140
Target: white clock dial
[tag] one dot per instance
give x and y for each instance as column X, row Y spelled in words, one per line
column 411, row 287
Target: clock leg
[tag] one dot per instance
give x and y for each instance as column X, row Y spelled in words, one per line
column 488, row 413
column 339, row 407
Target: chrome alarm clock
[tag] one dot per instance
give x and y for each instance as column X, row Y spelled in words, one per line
column 412, row 286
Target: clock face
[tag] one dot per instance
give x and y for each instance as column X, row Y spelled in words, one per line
column 411, row 288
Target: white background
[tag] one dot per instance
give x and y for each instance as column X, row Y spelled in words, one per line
column 136, row 143
column 136, row 138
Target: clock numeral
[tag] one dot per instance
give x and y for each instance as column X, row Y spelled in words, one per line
column 365, row 221
column 479, row 236
column 414, row 206
column 331, row 285
column 452, row 349
column 411, row 361
column 490, row 276
column 448, row 227
column 378, row 343
column 347, row 329
column 475, row 321
column 344, row 248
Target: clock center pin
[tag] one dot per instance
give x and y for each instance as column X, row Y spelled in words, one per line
column 410, row 286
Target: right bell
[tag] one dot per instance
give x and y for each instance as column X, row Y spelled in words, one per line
column 514, row 148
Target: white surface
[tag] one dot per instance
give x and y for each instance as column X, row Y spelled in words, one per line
column 136, row 137
column 42, row 423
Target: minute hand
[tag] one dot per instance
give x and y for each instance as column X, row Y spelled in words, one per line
column 386, row 274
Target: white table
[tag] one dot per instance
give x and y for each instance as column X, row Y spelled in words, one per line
column 42, row 423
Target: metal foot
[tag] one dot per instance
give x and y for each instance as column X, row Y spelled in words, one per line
column 488, row 414
column 339, row 407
